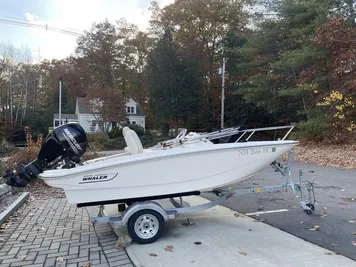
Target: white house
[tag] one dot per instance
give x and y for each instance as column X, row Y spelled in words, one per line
column 87, row 120
column 135, row 114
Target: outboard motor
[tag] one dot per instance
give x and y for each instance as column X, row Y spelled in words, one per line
column 66, row 143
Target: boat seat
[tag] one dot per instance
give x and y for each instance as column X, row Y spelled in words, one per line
column 134, row 145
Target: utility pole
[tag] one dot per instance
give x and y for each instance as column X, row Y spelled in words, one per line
column 60, row 101
column 222, row 92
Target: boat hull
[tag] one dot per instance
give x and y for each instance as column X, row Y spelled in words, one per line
column 165, row 172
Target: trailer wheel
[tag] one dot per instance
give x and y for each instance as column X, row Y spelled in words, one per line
column 312, row 209
column 145, row 226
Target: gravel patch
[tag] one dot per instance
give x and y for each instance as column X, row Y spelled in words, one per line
column 39, row 190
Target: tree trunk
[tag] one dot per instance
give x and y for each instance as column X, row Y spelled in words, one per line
column 352, row 11
column 301, row 94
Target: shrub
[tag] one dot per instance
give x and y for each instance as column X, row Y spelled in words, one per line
column 90, row 155
column 146, row 140
column 23, row 156
column 6, row 150
column 115, row 144
column 117, row 131
column 96, row 141
column 314, row 129
column 165, row 129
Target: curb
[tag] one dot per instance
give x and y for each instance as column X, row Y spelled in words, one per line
column 13, row 207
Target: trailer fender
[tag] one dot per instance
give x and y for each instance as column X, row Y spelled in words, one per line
column 149, row 205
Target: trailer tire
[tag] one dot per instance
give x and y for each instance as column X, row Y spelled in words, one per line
column 312, row 209
column 145, row 226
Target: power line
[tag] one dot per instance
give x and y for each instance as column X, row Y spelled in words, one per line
column 24, row 20
column 40, row 26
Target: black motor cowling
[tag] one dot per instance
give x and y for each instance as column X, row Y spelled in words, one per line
column 66, row 143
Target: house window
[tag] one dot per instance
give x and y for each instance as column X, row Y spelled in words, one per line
column 93, row 123
column 130, row 109
column 133, row 122
column 114, row 124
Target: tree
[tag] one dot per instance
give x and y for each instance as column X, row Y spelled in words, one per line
column 339, row 101
column 107, row 105
column 276, row 56
column 174, row 82
column 199, row 27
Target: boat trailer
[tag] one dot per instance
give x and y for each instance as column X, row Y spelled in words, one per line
column 145, row 220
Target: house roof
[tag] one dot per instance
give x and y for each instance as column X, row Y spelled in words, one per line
column 140, row 111
column 66, row 116
column 83, row 108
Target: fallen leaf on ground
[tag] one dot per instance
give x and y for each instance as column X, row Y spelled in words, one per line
column 334, row 245
column 343, row 190
column 88, row 264
column 342, row 203
column 352, row 221
column 197, row 243
column 31, row 214
column 21, row 257
column 323, row 214
column 353, row 243
column 315, row 228
column 153, row 255
column 59, row 259
column 348, row 199
column 188, row 222
column 243, row 253
column 354, row 233
column 169, row 248
column 329, row 253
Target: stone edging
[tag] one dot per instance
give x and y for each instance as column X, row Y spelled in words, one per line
column 13, row 207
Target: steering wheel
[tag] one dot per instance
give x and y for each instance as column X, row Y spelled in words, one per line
column 180, row 136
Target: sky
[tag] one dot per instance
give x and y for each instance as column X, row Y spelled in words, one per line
column 76, row 15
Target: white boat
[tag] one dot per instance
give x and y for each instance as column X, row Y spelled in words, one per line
column 189, row 165
column 161, row 173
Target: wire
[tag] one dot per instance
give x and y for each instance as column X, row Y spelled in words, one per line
column 24, row 20
column 40, row 26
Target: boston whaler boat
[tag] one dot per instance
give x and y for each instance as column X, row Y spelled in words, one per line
column 187, row 165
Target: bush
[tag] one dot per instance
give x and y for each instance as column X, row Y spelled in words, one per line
column 6, row 150
column 314, row 129
column 115, row 144
column 96, row 141
column 24, row 156
column 117, row 131
column 147, row 141
column 90, row 155
column 165, row 129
